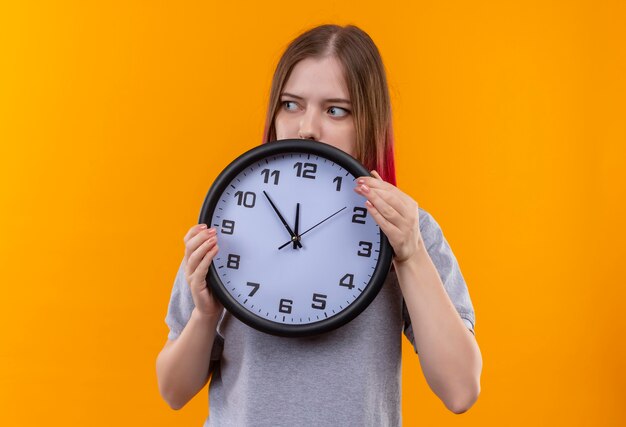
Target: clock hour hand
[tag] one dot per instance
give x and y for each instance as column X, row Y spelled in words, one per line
column 325, row 219
column 294, row 238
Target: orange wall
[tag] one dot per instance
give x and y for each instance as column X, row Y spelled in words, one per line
column 114, row 119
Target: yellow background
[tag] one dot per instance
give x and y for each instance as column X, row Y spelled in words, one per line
column 115, row 117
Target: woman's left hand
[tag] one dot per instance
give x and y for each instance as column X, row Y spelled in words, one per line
column 395, row 212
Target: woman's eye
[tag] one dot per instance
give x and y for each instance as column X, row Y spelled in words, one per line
column 290, row 105
column 337, row 111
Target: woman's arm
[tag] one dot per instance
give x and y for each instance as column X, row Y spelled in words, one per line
column 449, row 355
column 448, row 352
column 183, row 364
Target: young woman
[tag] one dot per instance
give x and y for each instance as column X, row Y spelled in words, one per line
column 330, row 86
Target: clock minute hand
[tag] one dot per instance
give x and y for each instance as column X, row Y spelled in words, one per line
column 325, row 219
column 291, row 233
column 296, row 227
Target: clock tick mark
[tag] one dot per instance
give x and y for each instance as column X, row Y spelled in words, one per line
column 325, row 315
column 360, row 290
column 245, row 301
column 238, row 295
column 221, row 266
column 232, row 186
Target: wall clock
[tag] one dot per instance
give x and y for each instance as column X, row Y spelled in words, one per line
column 298, row 253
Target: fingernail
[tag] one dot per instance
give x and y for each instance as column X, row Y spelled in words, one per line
column 365, row 188
column 360, row 181
column 202, row 226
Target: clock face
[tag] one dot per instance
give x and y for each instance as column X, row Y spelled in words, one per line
column 298, row 252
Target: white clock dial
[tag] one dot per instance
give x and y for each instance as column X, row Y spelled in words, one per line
column 298, row 253
column 257, row 262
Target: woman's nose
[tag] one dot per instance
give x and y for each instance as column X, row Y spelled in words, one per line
column 310, row 126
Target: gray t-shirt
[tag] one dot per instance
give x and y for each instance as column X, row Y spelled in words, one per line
column 349, row 376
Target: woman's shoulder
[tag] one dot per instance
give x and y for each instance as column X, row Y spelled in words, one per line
column 427, row 221
column 429, row 228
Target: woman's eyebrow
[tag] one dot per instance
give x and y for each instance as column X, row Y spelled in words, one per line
column 336, row 100
column 291, row 95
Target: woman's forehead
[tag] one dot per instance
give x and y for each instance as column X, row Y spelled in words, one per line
column 319, row 78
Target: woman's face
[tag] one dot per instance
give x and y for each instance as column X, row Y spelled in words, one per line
column 315, row 105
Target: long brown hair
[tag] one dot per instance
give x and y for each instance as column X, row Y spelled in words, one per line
column 367, row 85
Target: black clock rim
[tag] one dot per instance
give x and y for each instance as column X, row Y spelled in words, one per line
column 228, row 175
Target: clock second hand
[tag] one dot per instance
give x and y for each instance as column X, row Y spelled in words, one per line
column 325, row 219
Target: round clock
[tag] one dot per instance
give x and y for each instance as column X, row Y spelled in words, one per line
column 299, row 255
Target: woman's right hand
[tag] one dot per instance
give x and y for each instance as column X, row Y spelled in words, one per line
column 200, row 248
